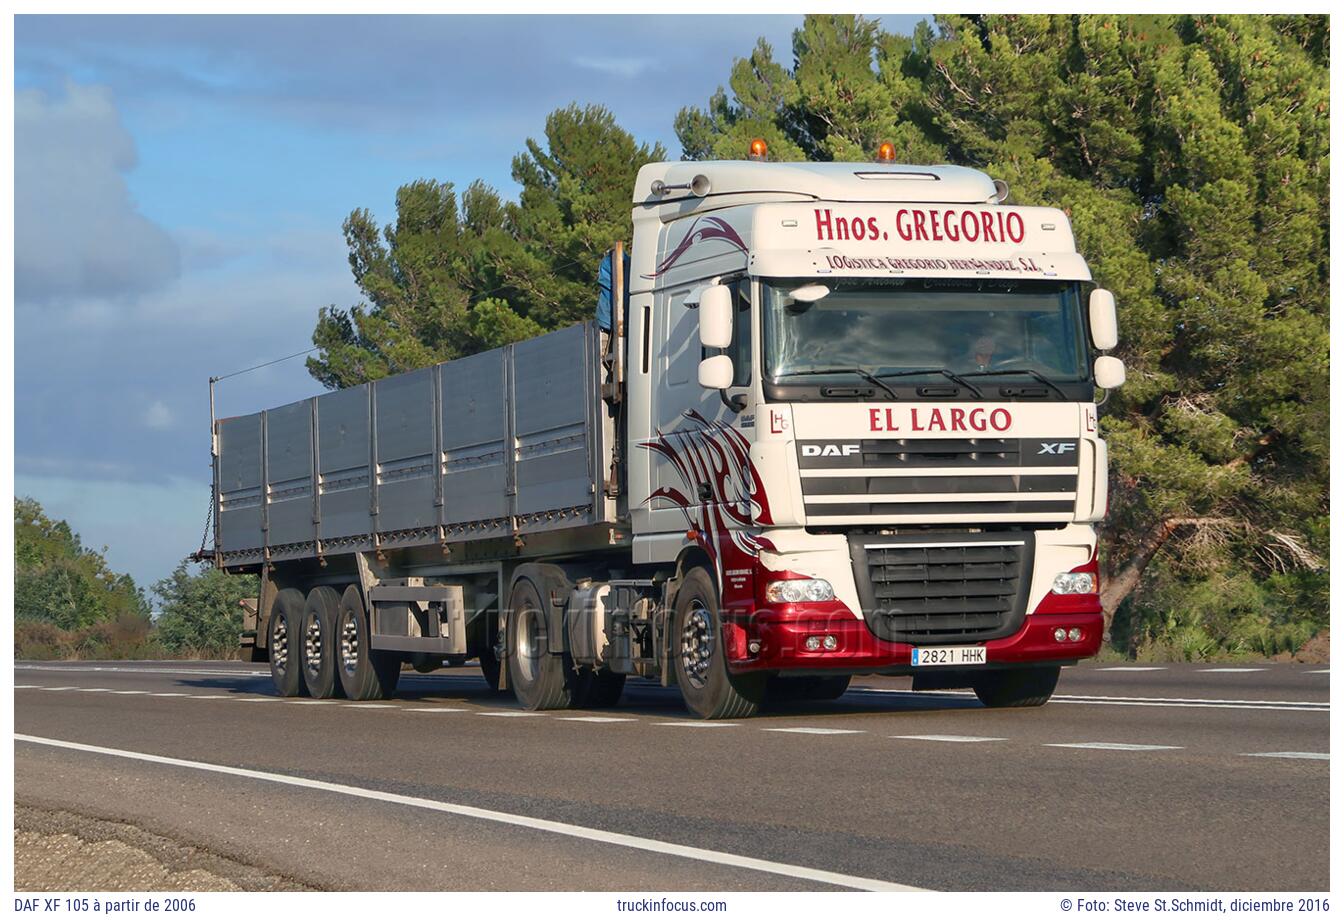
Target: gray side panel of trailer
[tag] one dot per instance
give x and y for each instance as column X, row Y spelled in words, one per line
column 239, row 487
column 475, row 422
column 289, row 473
column 343, row 462
column 404, row 421
column 509, row 441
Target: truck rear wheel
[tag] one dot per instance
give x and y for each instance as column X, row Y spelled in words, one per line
column 1017, row 688
column 285, row 640
column 537, row 677
column 319, row 643
column 700, row 659
column 364, row 672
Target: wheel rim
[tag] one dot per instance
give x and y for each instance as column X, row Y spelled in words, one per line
column 312, row 645
column 280, row 644
column 697, row 645
column 349, row 645
column 529, row 639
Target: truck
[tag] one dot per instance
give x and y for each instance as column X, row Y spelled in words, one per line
column 833, row 419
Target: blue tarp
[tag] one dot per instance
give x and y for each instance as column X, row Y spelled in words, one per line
column 604, row 282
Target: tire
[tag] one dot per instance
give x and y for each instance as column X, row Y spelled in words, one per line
column 599, row 689
column 1016, row 688
column 319, row 649
column 364, row 673
column 791, row 689
column 538, row 678
column 699, row 659
column 284, row 642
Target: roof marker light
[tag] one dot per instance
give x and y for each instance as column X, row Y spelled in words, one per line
column 886, row 152
column 758, row 150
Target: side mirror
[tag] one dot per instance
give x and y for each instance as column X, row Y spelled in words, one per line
column 716, row 316
column 1109, row 372
column 1101, row 317
column 716, row 372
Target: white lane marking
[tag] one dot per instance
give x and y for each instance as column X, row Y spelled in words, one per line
column 960, row 739
column 370, row 706
column 232, row 672
column 93, row 690
column 170, row 694
column 600, row 719
column 27, row 687
column 1126, row 667
column 818, row 731
column 1296, row 755
column 1116, row 746
column 433, row 709
column 213, row 696
column 1229, row 670
column 1178, row 702
column 304, row 702
column 60, row 688
column 689, row 724
column 510, row 714
column 131, row 692
column 1322, row 671
column 629, row 841
column 1297, row 707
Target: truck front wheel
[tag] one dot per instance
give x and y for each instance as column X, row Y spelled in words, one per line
column 365, row 673
column 1018, row 688
column 285, row 641
column 536, row 676
column 699, row 657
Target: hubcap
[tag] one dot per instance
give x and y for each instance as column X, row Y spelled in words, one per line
column 529, row 638
column 697, row 645
column 280, row 644
column 349, row 645
column 312, row 645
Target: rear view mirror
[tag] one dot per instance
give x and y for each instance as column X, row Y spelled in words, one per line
column 1101, row 318
column 716, row 316
column 716, row 372
column 1109, row 372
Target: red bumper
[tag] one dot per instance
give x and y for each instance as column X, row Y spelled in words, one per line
column 782, row 633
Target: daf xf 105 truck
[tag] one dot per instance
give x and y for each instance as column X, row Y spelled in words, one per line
column 837, row 419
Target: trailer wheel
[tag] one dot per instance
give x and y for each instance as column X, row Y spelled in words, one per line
column 698, row 655
column 536, row 676
column 285, row 640
column 365, row 673
column 1016, row 688
column 597, row 689
column 319, row 648
column 789, row 689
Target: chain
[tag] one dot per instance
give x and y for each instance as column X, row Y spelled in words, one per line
column 209, row 515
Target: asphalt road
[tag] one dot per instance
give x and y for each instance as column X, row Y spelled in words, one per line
column 1187, row 777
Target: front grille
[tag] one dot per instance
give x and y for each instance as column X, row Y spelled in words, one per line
column 951, row 587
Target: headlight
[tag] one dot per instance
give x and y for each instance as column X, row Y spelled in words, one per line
column 799, row 590
column 1075, row 583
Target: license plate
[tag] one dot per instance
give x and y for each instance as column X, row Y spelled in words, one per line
column 947, row 655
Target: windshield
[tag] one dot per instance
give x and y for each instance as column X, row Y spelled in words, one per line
column 984, row 331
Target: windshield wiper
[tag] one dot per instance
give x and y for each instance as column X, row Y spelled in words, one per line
column 1023, row 370
column 955, row 378
column 856, row 371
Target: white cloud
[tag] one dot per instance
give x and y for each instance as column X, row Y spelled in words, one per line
column 77, row 230
column 625, row 67
column 158, row 415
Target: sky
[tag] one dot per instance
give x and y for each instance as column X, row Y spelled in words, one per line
column 180, row 183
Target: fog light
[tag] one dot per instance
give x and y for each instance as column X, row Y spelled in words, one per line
column 1075, row 634
column 1074, row 583
column 754, row 646
column 1059, row 635
column 829, row 643
column 799, row 590
column 812, row 643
